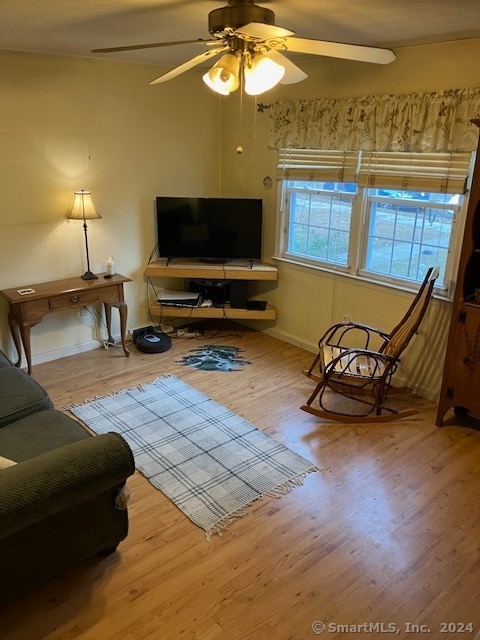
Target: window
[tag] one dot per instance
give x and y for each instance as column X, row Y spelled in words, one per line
column 409, row 232
column 380, row 216
column 320, row 220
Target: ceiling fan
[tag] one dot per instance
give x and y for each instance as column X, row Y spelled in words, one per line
column 253, row 50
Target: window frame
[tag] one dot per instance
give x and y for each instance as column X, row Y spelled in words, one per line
column 358, row 242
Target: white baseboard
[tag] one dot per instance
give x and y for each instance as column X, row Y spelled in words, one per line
column 285, row 337
column 71, row 350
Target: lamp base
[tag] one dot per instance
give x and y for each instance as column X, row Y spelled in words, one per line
column 88, row 275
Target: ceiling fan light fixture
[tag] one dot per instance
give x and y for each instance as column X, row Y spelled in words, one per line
column 262, row 74
column 223, row 77
column 249, row 34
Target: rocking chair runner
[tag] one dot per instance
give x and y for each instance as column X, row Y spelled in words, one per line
column 359, row 373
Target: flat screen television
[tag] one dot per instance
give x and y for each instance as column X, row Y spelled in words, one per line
column 209, row 229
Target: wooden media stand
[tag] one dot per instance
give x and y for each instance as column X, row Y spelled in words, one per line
column 235, row 270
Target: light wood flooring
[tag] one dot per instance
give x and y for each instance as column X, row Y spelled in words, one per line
column 388, row 533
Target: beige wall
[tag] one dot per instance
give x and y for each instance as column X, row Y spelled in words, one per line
column 309, row 301
column 72, row 123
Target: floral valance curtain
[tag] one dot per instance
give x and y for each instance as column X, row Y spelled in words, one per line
column 437, row 121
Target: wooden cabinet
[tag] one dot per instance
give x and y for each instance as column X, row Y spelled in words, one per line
column 461, row 375
column 257, row 271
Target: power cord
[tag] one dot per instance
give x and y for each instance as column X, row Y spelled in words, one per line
column 185, row 333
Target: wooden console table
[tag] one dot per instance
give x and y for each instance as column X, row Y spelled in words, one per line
column 27, row 309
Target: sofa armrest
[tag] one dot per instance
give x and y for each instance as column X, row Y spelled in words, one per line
column 54, row 481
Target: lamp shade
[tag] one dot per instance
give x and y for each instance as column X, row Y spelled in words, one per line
column 262, row 74
column 83, row 208
column 223, row 77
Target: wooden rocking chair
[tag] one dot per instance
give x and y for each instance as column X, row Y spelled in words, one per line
column 359, row 374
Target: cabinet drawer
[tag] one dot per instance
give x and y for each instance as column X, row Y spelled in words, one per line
column 84, row 298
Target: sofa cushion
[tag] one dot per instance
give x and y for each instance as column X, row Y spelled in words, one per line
column 38, row 433
column 20, row 395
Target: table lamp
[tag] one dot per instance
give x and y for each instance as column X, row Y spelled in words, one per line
column 83, row 209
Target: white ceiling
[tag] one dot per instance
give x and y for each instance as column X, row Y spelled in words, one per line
column 74, row 27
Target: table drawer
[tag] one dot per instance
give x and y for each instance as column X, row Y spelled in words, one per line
column 31, row 310
column 84, row 298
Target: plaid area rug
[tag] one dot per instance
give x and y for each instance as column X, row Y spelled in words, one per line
column 207, row 460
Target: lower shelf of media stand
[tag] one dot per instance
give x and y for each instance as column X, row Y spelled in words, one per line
column 167, row 311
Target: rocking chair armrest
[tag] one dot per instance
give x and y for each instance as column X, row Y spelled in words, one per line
column 389, row 361
column 343, row 328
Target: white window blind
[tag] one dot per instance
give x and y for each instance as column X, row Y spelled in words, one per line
column 312, row 165
column 445, row 172
column 430, row 172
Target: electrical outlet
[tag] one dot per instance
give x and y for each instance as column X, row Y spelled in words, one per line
column 84, row 312
column 345, row 317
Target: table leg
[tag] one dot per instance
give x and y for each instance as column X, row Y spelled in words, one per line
column 122, row 309
column 22, row 332
column 25, row 333
column 108, row 320
column 12, row 323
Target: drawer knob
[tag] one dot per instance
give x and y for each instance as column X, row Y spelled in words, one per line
column 74, row 299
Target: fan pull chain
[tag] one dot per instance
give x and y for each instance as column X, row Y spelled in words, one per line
column 239, row 148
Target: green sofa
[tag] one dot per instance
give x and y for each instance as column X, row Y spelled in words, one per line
column 64, row 499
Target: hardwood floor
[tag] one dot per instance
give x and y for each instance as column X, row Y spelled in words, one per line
column 387, row 533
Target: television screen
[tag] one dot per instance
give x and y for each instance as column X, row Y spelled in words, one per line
column 209, row 228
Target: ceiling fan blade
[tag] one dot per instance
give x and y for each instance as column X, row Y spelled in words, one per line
column 337, row 50
column 189, row 64
column 133, row 47
column 293, row 73
column 261, row 31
